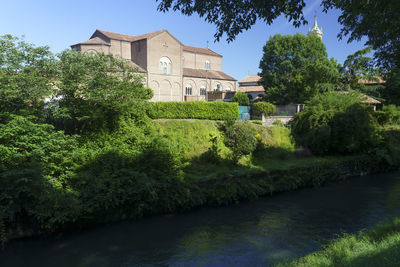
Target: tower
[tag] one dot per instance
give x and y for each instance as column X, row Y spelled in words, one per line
column 315, row 29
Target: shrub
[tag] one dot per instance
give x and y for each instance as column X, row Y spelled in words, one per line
column 241, row 98
column 264, row 107
column 195, row 110
column 389, row 114
column 335, row 123
column 240, row 139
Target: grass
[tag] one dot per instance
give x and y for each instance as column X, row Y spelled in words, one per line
column 192, row 139
column 376, row 246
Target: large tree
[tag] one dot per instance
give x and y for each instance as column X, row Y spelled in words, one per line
column 295, row 68
column 378, row 20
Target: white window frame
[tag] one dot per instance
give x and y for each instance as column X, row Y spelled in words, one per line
column 207, row 65
column 203, row 90
column 165, row 65
column 188, row 90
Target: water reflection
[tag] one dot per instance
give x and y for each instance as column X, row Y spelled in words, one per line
column 254, row 233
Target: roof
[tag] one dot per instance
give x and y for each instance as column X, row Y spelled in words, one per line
column 207, row 74
column 128, row 38
column 364, row 98
column 251, row 79
column 246, row 89
column 93, row 41
column 200, row 50
column 372, row 81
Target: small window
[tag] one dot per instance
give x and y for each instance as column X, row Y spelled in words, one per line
column 188, row 89
column 165, row 65
column 218, row 88
column 203, row 90
column 207, row 65
column 183, row 62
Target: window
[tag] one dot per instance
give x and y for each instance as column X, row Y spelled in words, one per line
column 183, row 62
column 188, row 89
column 218, row 88
column 203, row 90
column 207, row 65
column 165, row 65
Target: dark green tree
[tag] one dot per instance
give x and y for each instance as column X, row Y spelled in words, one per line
column 295, row 68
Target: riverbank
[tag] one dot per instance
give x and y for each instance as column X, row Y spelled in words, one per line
column 375, row 246
column 113, row 186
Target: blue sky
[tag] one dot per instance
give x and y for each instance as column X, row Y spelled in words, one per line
column 61, row 23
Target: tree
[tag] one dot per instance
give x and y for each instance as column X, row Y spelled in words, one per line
column 26, row 77
column 336, row 123
column 95, row 90
column 378, row 20
column 241, row 98
column 232, row 17
column 295, row 68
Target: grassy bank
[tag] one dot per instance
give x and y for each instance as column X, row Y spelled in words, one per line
column 376, row 246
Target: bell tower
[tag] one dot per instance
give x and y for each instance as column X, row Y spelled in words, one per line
column 315, row 29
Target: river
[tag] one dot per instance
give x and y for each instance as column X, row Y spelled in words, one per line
column 252, row 233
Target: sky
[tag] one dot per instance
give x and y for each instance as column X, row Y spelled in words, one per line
column 59, row 24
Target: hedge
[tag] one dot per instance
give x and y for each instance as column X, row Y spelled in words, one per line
column 195, row 110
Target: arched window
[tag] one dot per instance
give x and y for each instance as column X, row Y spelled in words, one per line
column 203, row 90
column 165, row 65
column 207, row 65
column 188, row 90
column 218, row 88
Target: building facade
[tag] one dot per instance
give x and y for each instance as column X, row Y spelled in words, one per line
column 174, row 71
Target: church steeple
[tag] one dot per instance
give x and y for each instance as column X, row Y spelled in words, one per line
column 315, row 29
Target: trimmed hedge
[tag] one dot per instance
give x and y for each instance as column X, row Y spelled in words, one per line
column 195, row 110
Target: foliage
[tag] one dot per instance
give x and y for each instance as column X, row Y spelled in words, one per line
column 26, row 76
column 377, row 20
column 34, row 161
column 195, row 110
column 95, row 90
column 392, row 87
column 390, row 114
column 240, row 139
column 232, row 17
column 264, row 107
column 336, row 123
column 375, row 246
column 241, row 98
column 296, row 68
column 359, row 18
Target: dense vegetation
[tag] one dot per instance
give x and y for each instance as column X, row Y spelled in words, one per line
column 376, row 246
column 241, row 98
column 294, row 68
column 78, row 145
column 195, row 110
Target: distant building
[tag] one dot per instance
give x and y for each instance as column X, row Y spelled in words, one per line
column 250, row 85
column 174, row 71
column 315, row 30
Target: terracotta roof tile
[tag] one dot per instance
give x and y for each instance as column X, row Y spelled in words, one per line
column 200, row 50
column 251, row 79
column 94, row 41
column 364, row 98
column 366, row 81
column 129, row 38
column 246, row 89
column 207, row 74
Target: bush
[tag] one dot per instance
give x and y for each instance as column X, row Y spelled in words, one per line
column 195, row 110
column 264, row 107
column 389, row 114
column 240, row 139
column 336, row 123
column 241, row 98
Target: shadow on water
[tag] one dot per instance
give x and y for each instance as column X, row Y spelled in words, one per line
column 254, row 233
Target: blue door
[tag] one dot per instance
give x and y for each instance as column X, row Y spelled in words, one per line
column 244, row 113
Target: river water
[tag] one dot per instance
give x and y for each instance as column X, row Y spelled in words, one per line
column 252, row 233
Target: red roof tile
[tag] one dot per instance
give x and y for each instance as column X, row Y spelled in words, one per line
column 207, row 74
column 200, row 50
